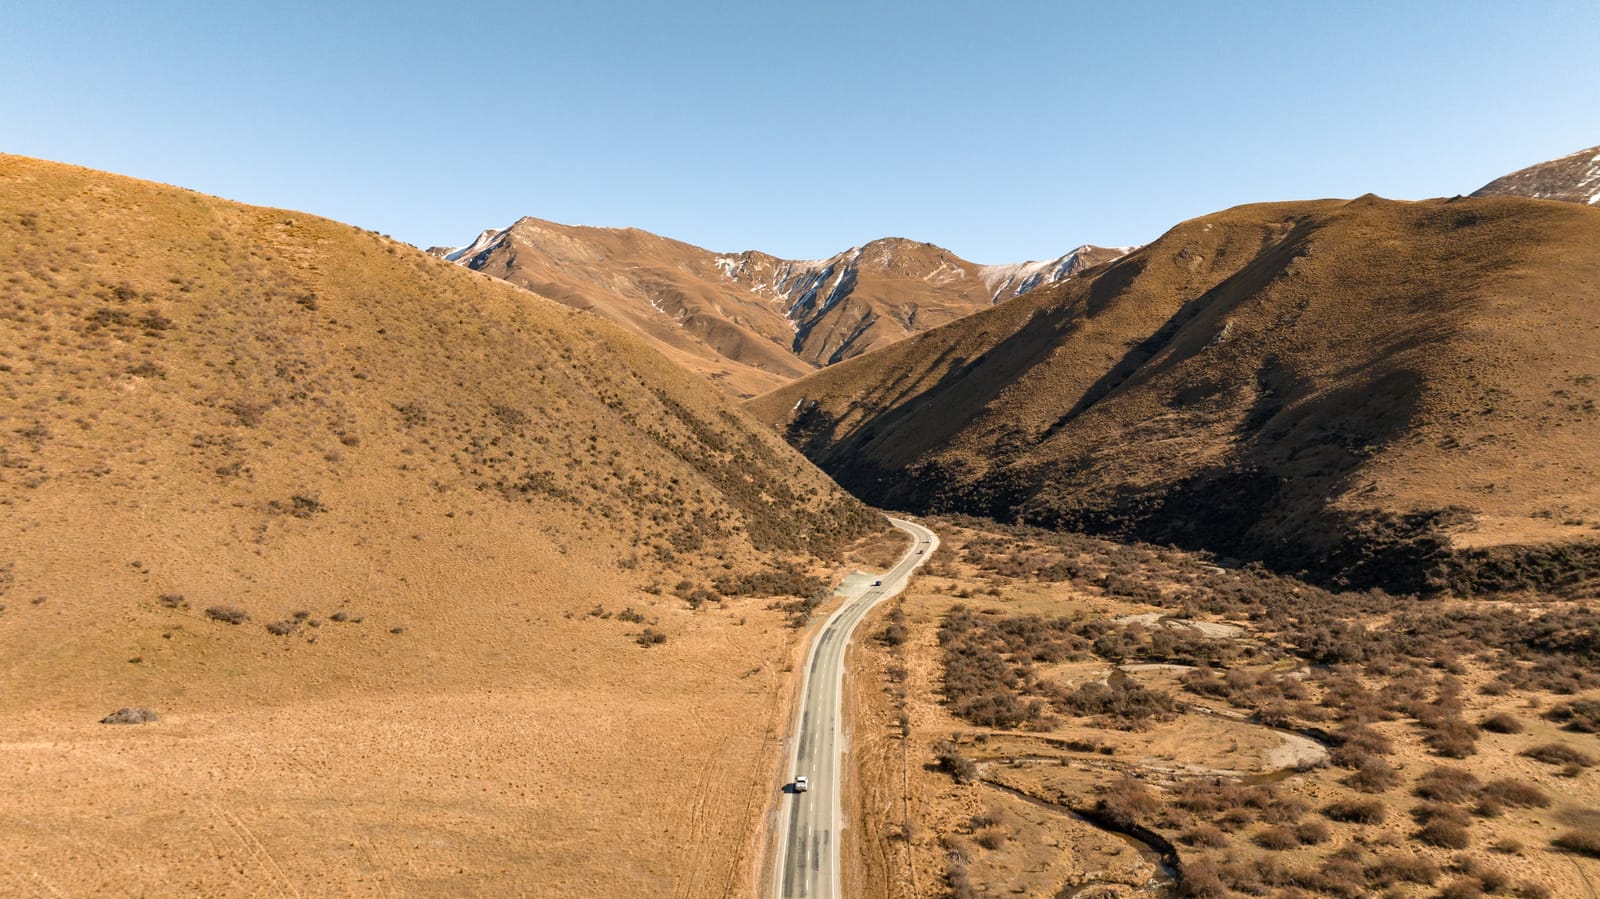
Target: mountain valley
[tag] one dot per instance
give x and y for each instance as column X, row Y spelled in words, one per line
column 1378, row 393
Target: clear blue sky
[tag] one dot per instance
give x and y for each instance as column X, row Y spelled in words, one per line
column 1002, row 130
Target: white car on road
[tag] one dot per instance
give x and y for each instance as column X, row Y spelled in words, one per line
column 802, row 784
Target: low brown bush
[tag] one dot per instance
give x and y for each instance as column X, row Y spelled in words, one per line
column 1462, row 888
column 1445, row 835
column 991, row 838
column 1428, row 812
column 227, row 614
column 1444, row 784
column 1358, row 736
column 1583, row 842
column 1126, row 704
column 1312, row 833
column 1357, row 811
column 1502, row 723
column 962, row 769
column 1395, row 867
column 1559, row 754
column 1205, row 836
column 1126, row 801
column 1201, row 880
column 1277, row 837
column 1580, row 715
column 1452, row 737
column 1373, row 775
column 1514, row 792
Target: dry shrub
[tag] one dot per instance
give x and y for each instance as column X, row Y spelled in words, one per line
column 1277, row 837
column 1312, row 833
column 1125, row 801
column 1429, row 812
column 1201, row 880
column 1452, row 738
column 1462, row 888
column 1447, row 784
column 993, row 816
column 1205, row 836
column 955, row 871
column 1273, row 808
column 1126, row 703
column 991, row 838
column 1502, row 723
column 1373, row 775
column 1342, row 877
column 1396, row 867
column 1580, row 715
column 953, row 763
column 1444, row 834
column 1517, row 793
column 1559, row 754
column 1357, row 811
column 1358, row 736
column 1583, row 842
column 227, row 614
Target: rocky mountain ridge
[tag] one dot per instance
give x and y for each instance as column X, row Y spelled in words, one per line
column 750, row 320
column 1573, row 178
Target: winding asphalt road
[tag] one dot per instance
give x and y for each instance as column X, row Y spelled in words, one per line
column 808, row 829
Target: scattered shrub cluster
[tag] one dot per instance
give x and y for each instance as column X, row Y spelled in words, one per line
column 1580, row 715
column 1125, row 703
column 783, row 578
column 989, row 676
column 227, row 614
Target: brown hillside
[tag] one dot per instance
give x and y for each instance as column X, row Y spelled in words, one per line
column 1401, row 394
column 668, row 292
column 430, row 492
column 751, row 321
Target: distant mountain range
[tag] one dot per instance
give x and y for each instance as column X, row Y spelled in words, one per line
column 752, row 321
column 1574, row 178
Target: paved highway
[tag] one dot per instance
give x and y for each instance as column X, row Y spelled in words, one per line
column 809, row 823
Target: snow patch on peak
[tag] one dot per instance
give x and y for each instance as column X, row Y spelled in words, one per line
column 487, row 239
column 1007, row 281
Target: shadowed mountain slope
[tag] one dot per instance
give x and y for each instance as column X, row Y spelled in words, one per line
column 1380, row 393
column 1574, row 178
column 355, row 521
column 751, row 321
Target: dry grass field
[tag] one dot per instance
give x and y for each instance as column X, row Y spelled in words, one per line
column 1036, row 697
column 418, row 572
column 1376, row 393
